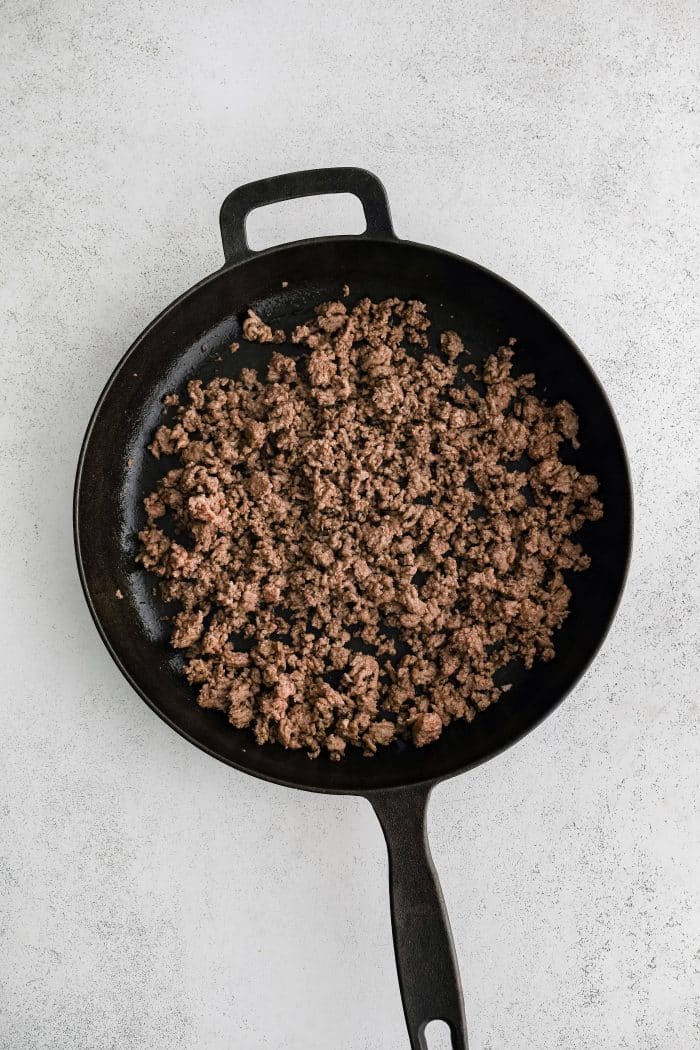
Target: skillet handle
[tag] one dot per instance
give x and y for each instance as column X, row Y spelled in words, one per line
column 362, row 184
column 428, row 974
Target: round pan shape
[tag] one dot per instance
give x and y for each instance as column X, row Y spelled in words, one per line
column 191, row 339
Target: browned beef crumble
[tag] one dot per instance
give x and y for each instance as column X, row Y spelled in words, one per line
column 256, row 331
column 359, row 548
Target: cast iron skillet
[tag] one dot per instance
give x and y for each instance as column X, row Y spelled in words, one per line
column 191, row 338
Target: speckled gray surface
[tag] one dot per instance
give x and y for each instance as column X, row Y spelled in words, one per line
column 153, row 899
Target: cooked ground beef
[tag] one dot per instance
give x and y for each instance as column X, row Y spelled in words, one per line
column 360, row 539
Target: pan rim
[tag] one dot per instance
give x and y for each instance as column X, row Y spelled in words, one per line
column 415, row 782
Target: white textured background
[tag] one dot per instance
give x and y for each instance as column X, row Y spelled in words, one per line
column 153, row 899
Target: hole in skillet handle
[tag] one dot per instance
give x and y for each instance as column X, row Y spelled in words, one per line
column 326, row 215
column 360, row 183
column 437, row 1036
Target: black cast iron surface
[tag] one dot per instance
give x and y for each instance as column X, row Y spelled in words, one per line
column 190, row 339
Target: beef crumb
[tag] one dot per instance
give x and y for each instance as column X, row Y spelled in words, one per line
column 257, row 331
column 365, row 534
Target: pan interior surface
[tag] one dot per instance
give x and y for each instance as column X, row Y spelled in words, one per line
column 190, row 340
